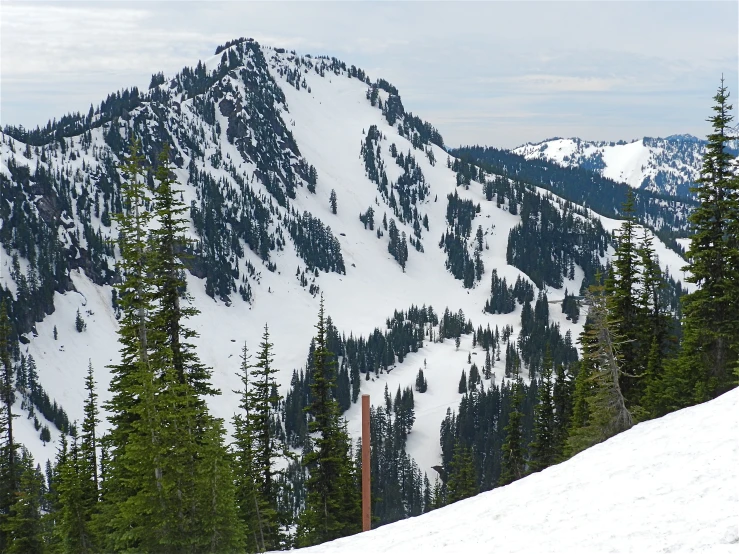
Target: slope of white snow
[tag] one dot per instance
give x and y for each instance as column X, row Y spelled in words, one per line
column 667, row 485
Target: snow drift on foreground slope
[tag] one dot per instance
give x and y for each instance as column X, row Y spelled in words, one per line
column 667, row 485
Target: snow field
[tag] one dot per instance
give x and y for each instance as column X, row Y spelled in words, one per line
column 667, row 485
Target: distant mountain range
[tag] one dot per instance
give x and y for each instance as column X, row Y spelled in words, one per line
column 663, row 165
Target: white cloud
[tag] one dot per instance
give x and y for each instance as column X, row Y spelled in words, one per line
column 490, row 71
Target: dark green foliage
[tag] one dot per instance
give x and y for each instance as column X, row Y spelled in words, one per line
column 460, row 214
column 36, row 397
column 376, row 353
column 9, row 466
column 710, row 349
column 570, row 307
column 623, row 310
column 22, row 527
column 315, row 243
column 462, row 389
column 168, row 483
column 332, row 506
column 513, row 461
column 368, row 218
column 396, row 488
column 543, row 451
column 332, row 201
column 398, row 247
column 585, row 187
column 501, row 299
column 462, row 480
column 421, row 382
column 479, row 426
column 79, row 323
column 551, row 239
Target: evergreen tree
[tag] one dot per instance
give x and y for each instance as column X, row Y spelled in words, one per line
column 247, row 495
column 332, row 201
column 168, row 242
column 266, row 448
column 462, row 388
column 89, row 446
column 79, row 323
column 8, row 448
column 73, row 504
column 169, row 485
column 600, row 410
column 332, row 508
column 543, row 448
column 133, row 375
column 513, row 463
column 710, row 314
column 462, row 480
column 623, row 312
column 562, row 400
column 23, row 527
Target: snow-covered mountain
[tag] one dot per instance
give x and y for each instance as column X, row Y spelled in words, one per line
column 664, row 165
column 645, row 490
column 260, row 138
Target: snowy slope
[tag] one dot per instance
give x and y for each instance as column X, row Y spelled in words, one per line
column 328, row 118
column 667, row 485
column 666, row 165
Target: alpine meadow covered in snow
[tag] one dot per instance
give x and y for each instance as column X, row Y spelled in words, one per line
column 199, row 280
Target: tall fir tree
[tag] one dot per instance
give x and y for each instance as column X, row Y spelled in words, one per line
column 462, row 480
column 247, row 493
column 600, row 409
column 74, row 525
column 332, row 507
column 23, row 527
column 266, row 446
column 562, row 399
column 620, row 287
column 169, row 486
column 513, row 461
column 543, row 447
column 8, row 448
column 710, row 348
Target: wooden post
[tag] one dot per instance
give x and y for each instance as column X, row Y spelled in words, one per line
column 366, row 509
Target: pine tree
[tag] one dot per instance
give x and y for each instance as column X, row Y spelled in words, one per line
column 543, row 448
column 22, row 527
column 79, row 323
column 169, row 485
column 462, row 480
column 462, row 388
column 606, row 413
column 132, row 377
column 332, row 508
column 622, row 307
column 8, row 448
column 562, row 399
column 168, row 242
column 653, row 324
column 247, row 494
column 74, row 506
column 266, row 448
column 710, row 348
column 89, row 446
column 513, row 463
column 332, row 201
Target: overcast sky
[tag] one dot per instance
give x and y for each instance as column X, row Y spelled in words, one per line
column 497, row 73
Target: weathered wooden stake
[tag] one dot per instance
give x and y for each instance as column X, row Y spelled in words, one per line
column 366, row 515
